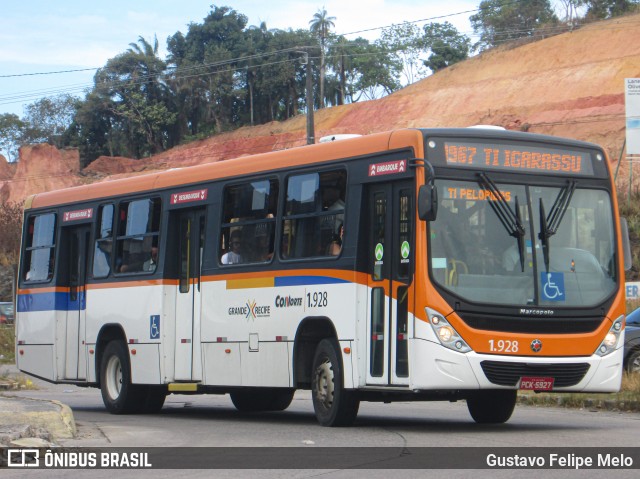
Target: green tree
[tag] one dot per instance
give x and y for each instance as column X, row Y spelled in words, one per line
column 203, row 80
column 446, row 44
column 499, row 21
column 340, row 62
column 405, row 45
column 11, row 134
column 97, row 130
column 47, row 119
column 320, row 26
column 570, row 10
column 363, row 70
column 280, row 81
column 131, row 88
column 11, row 227
column 601, row 9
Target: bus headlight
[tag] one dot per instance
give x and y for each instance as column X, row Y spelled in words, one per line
column 611, row 339
column 446, row 333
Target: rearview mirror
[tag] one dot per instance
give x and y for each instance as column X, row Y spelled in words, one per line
column 626, row 244
column 428, row 195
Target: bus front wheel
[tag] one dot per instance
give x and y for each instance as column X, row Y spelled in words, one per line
column 492, row 406
column 333, row 404
column 118, row 394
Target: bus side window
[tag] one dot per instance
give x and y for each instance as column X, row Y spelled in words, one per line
column 40, row 248
column 103, row 249
column 248, row 223
column 314, row 215
column 138, row 234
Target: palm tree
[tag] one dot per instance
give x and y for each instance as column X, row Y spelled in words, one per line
column 320, row 26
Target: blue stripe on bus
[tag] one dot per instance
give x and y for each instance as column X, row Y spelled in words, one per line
column 60, row 301
column 306, row 280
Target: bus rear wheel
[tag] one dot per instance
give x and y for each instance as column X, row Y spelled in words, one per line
column 333, row 404
column 492, row 406
column 262, row 399
column 118, row 394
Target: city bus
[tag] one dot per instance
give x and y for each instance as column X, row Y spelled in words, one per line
column 417, row 264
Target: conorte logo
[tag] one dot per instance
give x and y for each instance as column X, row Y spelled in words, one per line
column 23, row 458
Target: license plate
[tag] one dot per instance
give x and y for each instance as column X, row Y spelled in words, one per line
column 536, row 383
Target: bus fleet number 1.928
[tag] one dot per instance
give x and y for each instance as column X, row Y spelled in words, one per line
column 503, row 346
column 317, row 299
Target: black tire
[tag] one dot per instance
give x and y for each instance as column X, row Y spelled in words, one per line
column 153, row 399
column 633, row 362
column 118, row 394
column 333, row 404
column 492, row 406
column 262, row 399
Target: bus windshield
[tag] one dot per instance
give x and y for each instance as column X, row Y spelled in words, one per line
column 514, row 244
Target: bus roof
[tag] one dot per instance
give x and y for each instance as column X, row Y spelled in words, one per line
column 247, row 165
column 275, row 160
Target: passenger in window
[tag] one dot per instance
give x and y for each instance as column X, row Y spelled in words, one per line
column 336, row 244
column 151, row 264
column 133, row 265
column 332, row 200
column 262, row 251
column 233, row 256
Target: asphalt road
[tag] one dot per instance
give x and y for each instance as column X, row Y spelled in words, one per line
column 197, row 421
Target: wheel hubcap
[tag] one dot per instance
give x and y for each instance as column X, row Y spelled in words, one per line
column 114, row 377
column 324, row 384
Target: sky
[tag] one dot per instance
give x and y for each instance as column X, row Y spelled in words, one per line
column 41, row 36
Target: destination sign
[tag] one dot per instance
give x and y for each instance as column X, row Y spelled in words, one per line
column 515, row 158
column 475, row 194
column 189, row 196
column 77, row 215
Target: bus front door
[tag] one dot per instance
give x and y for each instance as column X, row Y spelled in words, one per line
column 74, row 272
column 390, row 258
column 188, row 362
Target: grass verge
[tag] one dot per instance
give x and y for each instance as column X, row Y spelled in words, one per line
column 7, row 344
column 627, row 399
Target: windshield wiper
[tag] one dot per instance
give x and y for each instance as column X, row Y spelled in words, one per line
column 549, row 224
column 512, row 221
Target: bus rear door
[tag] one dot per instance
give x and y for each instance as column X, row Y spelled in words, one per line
column 188, row 363
column 74, row 271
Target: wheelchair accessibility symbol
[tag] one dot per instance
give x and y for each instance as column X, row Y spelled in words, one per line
column 154, row 327
column 552, row 286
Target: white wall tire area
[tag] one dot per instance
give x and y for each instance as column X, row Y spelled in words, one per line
column 333, row 404
column 492, row 406
column 118, row 394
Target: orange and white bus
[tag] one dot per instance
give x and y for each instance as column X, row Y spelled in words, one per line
column 434, row 264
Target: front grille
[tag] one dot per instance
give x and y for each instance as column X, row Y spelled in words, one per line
column 532, row 325
column 508, row 374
